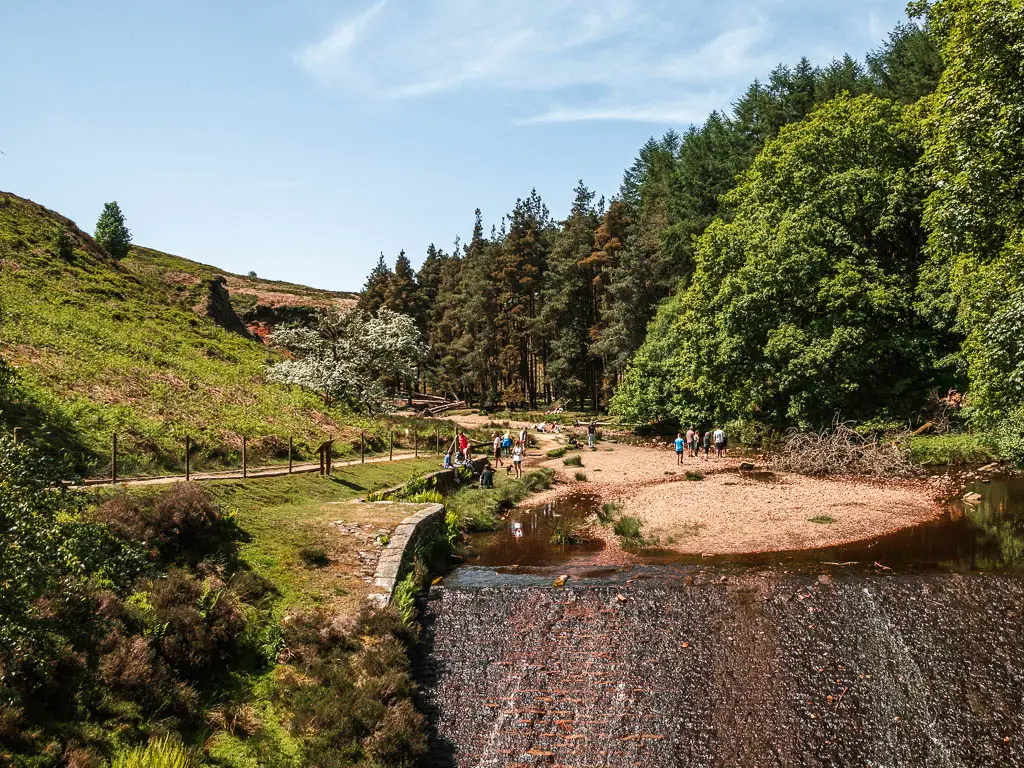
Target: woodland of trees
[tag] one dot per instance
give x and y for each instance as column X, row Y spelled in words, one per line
column 846, row 240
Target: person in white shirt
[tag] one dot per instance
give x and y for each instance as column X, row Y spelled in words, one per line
column 719, row 442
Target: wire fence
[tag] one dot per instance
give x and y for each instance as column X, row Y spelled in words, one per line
column 131, row 458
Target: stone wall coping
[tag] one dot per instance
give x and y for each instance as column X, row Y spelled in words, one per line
column 400, row 546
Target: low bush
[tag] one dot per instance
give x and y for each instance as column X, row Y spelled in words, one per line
column 692, row 475
column 580, row 477
column 182, row 523
column 573, row 461
column 608, row 513
column 565, row 532
column 628, row 527
column 556, row 453
column 314, row 557
column 349, row 690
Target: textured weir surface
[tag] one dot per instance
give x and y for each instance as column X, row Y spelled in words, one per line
column 730, row 665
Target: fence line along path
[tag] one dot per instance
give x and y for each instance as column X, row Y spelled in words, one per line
column 249, row 474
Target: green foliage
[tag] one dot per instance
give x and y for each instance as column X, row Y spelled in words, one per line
column 608, row 513
column 975, row 212
column 941, row 450
column 809, row 285
column 160, row 753
column 628, row 528
column 111, row 233
column 692, row 475
column 573, row 461
column 556, row 453
column 350, row 691
column 822, row 520
column 473, row 509
column 566, row 532
column 63, row 246
column 580, row 477
column 404, row 597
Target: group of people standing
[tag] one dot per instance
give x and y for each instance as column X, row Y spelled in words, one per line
column 503, row 446
column 693, row 441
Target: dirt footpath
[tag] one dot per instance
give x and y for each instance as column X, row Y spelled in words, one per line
column 729, row 511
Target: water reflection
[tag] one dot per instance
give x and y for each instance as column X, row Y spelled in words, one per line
column 525, row 537
column 984, row 536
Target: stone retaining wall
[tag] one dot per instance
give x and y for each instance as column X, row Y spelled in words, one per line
column 400, row 547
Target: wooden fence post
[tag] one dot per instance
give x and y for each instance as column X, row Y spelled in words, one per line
column 113, row 460
column 289, row 454
column 188, row 465
column 245, row 457
column 17, row 431
column 362, row 448
column 437, row 440
column 416, row 443
column 391, row 445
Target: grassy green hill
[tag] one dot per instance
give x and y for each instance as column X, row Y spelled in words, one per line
column 260, row 303
column 103, row 347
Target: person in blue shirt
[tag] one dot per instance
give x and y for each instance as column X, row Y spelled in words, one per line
column 680, row 444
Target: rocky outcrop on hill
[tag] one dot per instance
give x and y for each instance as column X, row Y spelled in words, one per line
column 218, row 307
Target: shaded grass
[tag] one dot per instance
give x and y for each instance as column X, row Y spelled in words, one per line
column 580, row 477
column 822, row 520
column 573, row 461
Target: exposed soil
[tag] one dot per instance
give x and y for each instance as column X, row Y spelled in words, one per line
column 730, row 511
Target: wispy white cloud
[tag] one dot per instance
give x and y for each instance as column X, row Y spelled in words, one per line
column 571, row 60
column 326, row 58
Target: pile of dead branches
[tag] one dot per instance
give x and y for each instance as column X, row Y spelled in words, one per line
column 841, row 450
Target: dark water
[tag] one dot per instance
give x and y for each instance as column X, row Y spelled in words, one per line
column 537, row 525
column 780, row 660
column 983, row 536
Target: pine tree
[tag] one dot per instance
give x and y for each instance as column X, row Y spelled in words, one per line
column 376, row 292
column 402, row 289
column 111, row 232
column 569, row 308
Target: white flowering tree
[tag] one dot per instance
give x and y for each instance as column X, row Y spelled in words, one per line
column 351, row 357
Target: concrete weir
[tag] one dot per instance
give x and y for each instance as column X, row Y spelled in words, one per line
column 710, row 666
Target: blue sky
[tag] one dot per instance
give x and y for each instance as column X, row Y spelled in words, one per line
column 301, row 139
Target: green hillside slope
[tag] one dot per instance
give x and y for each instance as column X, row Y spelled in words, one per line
column 260, row 303
column 102, row 347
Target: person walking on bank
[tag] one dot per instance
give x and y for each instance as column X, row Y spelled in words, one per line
column 591, row 433
column 707, row 444
column 689, row 441
column 506, row 444
column 719, row 442
column 695, row 445
column 517, row 457
column 496, row 445
column 464, row 446
column 679, row 448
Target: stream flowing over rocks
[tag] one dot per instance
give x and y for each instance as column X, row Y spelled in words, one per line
column 716, row 666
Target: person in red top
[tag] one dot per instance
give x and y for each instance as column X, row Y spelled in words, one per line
column 464, row 445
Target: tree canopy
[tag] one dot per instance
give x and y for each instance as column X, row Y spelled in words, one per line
column 111, row 231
